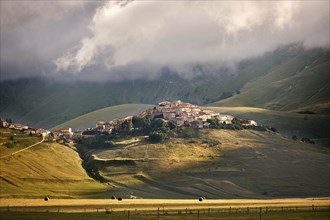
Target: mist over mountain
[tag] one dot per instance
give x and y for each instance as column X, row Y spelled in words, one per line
column 63, row 59
column 129, row 40
column 47, row 102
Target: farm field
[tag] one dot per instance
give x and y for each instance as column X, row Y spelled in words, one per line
column 314, row 126
column 215, row 163
column 48, row 168
column 309, row 208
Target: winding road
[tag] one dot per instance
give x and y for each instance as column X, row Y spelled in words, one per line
column 16, row 152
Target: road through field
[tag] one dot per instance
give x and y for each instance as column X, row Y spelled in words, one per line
column 26, row 148
column 90, row 205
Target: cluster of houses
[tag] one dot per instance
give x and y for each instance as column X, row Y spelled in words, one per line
column 65, row 133
column 114, row 125
column 177, row 112
column 186, row 114
column 24, row 128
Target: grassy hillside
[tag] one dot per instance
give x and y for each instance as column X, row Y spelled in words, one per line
column 290, row 78
column 105, row 114
column 217, row 164
column 299, row 84
column 46, row 169
column 313, row 126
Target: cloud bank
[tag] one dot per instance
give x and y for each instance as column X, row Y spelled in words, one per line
column 178, row 33
column 136, row 39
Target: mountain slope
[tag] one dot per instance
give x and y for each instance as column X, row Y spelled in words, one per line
column 313, row 126
column 42, row 103
column 216, row 163
column 89, row 120
column 47, row 169
column 302, row 83
column 290, row 78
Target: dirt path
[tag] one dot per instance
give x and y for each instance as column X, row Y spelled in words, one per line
column 16, row 152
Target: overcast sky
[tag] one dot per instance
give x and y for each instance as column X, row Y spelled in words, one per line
column 128, row 40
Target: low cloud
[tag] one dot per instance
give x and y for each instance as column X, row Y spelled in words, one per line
column 179, row 33
column 135, row 39
column 33, row 33
column 16, row 14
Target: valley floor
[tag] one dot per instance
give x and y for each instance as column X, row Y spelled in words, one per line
column 308, row 208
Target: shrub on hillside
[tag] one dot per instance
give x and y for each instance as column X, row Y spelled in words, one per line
column 157, row 136
column 141, row 123
column 158, row 124
column 9, row 144
column 213, row 122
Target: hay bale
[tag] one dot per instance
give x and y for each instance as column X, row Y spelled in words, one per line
column 119, row 198
column 46, row 198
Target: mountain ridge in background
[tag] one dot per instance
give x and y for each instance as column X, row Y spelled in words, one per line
column 289, row 79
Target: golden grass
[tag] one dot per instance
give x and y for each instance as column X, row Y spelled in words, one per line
column 168, row 204
column 245, row 164
column 46, row 169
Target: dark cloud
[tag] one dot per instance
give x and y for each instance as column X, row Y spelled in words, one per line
column 33, row 33
column 129, row 40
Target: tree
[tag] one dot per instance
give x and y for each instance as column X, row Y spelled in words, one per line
column 142, row 123
column 127, row 125
column 171, row 125
column 213, row 122
column 157, row 136
column 236, row 121
column 158, row 124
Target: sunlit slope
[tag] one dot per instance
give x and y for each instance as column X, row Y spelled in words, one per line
column 301, row 83
column 46, row 169
column 247, row 164
column 105, row 114
column 313, row 126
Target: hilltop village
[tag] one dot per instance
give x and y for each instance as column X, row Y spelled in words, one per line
column 180, row 114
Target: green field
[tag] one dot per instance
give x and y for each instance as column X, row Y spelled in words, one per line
column 313, row 126
column 11, row 141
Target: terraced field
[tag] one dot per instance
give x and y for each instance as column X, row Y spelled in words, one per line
column 217, row 164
